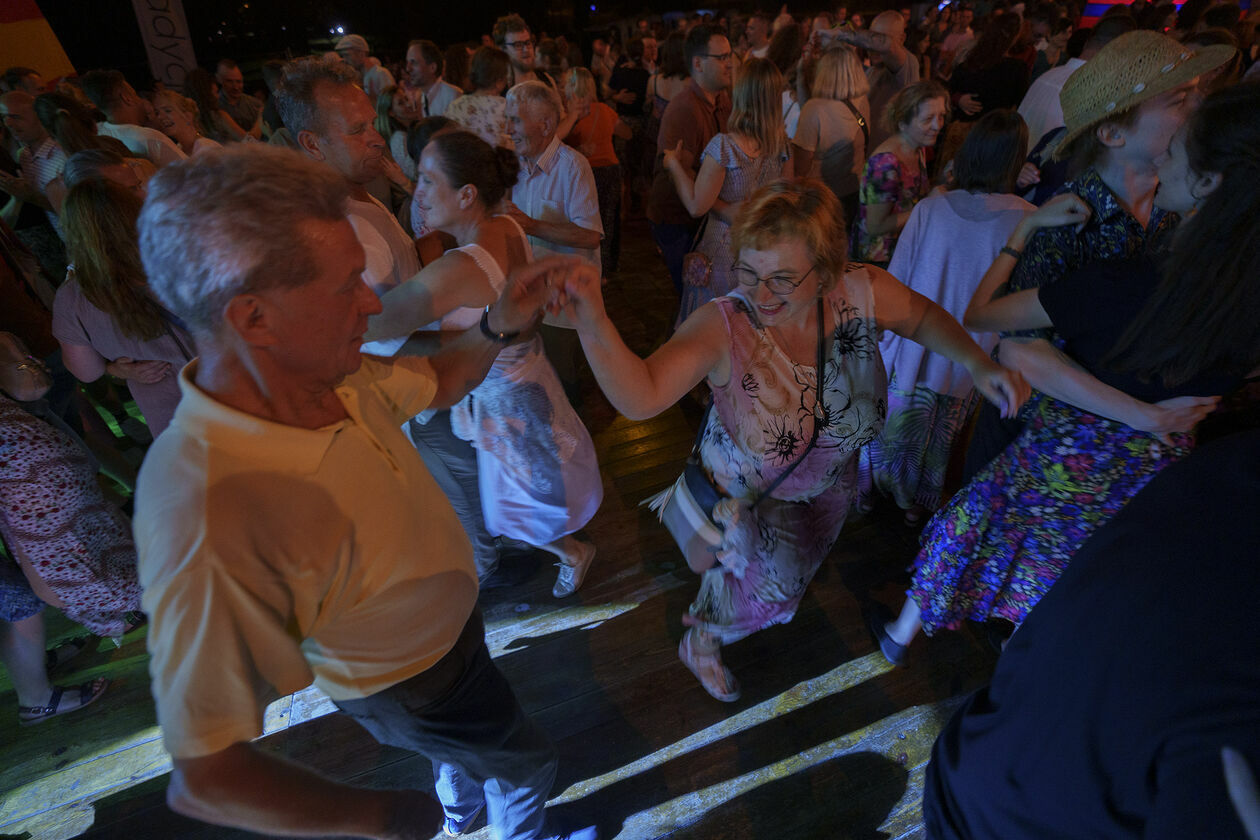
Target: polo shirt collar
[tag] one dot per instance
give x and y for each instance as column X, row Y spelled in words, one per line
column 262, row 442
column 44, row 148
column 698, row 93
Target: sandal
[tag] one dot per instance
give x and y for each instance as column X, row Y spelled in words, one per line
column 703, row 667
column 89, row 692
column 55, row 657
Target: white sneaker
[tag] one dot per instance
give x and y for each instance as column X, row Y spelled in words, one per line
column 572, row 574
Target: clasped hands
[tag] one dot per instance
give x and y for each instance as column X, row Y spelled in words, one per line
column 556, row 285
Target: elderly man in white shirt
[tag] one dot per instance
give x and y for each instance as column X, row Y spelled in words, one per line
column 554, row 201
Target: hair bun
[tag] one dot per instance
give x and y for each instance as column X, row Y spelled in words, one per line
column 509, row 166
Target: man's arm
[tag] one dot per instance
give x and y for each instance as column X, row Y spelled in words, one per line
column 559, row 233
column 244, row 787
column 460, row 365
column 891, row 51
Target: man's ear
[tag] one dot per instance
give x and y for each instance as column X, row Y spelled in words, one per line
column 309, row 143
column 1110, row 134
column 249, row 317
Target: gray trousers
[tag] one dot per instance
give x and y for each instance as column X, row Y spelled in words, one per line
column 453, row 464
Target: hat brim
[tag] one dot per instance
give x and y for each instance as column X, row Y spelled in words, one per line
column 1204, row 60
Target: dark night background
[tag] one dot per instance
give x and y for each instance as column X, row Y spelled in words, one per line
column 103, row 33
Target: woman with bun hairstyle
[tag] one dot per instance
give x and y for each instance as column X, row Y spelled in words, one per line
column 535, row 466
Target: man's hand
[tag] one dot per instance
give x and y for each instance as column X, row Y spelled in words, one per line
column 507, row 208
column 969, row 104
column 394, row 173
column 625, row 97
column 144, row 371
column 19, row 188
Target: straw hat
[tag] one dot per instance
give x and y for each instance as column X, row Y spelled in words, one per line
column 1127, row 72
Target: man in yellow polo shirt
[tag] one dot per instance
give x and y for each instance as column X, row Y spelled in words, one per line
column 289, row 534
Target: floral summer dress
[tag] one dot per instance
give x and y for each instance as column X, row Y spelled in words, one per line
column 762, row 421
column 886, row 181
column 53, row 516
column 745, row 174
column 999, row 545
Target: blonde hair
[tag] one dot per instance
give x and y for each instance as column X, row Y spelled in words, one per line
column 804, row 209
column 757, row 106
column 839, row 75
column 579, row 83
column 180, row 101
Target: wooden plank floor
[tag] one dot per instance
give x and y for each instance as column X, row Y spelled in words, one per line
column 828, row 740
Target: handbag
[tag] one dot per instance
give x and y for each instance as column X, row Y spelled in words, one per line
column 685, row 508
column 697, row 267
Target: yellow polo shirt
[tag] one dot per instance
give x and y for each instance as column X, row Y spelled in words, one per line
column 273, row 556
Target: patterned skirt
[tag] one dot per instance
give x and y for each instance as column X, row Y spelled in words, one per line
column 909, row 458
column 1005, row 538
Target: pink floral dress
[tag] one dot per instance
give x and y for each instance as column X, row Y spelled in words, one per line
column 762, row 421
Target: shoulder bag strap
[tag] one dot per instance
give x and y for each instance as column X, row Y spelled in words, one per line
column 861, row 121
column 818, row 384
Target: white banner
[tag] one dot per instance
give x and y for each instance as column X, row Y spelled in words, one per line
column 165, row 33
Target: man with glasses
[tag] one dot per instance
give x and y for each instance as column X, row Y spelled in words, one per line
column 511, row 34
column 691, row 118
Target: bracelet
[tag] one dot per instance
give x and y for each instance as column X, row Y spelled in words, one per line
column 1007, row 249
column 501, row 338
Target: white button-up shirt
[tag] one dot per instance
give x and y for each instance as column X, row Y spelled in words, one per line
column 559, row 187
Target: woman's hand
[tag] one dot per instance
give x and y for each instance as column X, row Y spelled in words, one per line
column 969, row 104
column 144, row 371
column 673, row 157
column 1176, row 415
column 1001, row 386
column 1029, row 174
column 394, row 173
column 578, row 294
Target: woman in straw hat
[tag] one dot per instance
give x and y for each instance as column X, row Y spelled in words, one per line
column 1185, row 320
column 1121, row 109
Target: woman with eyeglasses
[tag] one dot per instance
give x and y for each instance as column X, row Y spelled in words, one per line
column 799, row 321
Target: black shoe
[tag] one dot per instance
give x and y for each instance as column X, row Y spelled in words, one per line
column 514, row 569
column 893, row 651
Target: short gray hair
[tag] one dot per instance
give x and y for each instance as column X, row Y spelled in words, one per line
column 295, row 100
column 535, row 91
column 227, row 222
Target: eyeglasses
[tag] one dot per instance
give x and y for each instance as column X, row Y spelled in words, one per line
column 519, row 45
column 778, row 283
column 724, row 57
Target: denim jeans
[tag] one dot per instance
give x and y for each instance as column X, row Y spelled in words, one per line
column 674, row 242
column 462, row 715
column 453, row 464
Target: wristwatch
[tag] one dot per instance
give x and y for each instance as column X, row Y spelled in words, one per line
column 500, row 337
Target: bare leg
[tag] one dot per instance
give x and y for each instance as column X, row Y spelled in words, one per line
column 575, row 557
column 22, row 651
column 907, row 625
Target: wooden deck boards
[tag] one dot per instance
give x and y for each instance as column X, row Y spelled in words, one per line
column 828, row 740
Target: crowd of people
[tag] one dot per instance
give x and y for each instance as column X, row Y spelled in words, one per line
column 994, row 267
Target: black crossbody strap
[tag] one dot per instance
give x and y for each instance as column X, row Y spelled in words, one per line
column 861, row 121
